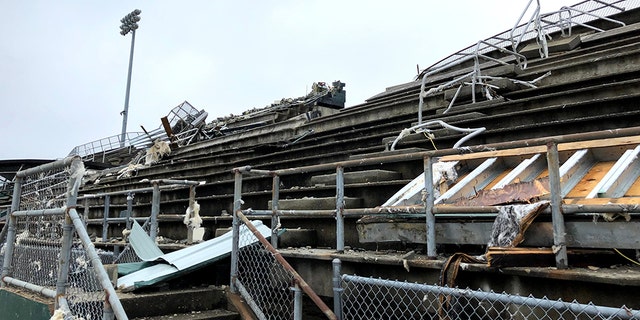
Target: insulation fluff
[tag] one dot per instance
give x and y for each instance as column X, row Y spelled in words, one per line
column 126, row 233
column 158, row 150
column 127, row 172
column 77, row 171
column 192, row 217
column 511, row 223
column 57, row 315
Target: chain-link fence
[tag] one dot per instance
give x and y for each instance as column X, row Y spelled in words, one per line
column 44, row 254
column 266, row 281
column 271, row 287
column 369, row 298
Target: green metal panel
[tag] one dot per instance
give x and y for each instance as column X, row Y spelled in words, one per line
column 16, row 307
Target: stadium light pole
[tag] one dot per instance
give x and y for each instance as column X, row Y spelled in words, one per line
column 129, row 24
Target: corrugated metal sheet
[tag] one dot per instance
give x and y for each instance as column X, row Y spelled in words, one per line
column 142, row 244
column 182, row 261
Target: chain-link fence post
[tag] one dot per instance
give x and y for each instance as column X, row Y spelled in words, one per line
column 297, row 302
column 11, row 230
column 235, row 226
column 557, row 218
column 429, row 203
column 337, row 288
column 64, row 260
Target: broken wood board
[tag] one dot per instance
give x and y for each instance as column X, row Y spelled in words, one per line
column 622, row 141
column 523, row 192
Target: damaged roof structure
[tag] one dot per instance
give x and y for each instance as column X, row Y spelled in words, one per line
column 511, row 166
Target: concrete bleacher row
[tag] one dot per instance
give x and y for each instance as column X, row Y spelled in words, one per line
column 592, row 86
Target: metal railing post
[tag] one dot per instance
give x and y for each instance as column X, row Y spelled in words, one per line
column 105, row 218
column 129, row 209
column 429, row 203
column 297, row 302
column 340, row 209
column 64, row 260
column 235, row 226
column 107, row 313
column 559, row 244
column 337, row 288
column 11, row 229
column 155, row 210
column 275, row 218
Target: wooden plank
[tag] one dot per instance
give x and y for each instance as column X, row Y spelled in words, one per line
column 526, row 171
column 499, row 178
column 621, row 141
column 634, row 190
column 574, row 169
column 602, row 201
column 590, row 180
column 630, row 170
column 607, row 180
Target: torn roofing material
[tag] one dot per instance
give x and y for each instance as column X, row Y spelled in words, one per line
column 145, row 248
column 171, row 265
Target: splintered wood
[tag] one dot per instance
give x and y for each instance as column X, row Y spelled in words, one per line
column 523, row 192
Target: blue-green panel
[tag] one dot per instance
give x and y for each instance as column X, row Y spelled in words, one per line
column 17, row 307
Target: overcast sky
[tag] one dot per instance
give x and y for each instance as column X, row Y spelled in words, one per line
column 64, row 64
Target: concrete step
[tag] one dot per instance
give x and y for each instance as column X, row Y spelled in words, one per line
column 166, row 303
column 327, row 203
column 218, row 314
column 356, row 177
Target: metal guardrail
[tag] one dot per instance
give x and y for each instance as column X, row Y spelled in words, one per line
column 553, row 22
column 429, row 209
column 47, row 248
column 184, row 120
column 539, row 26
column 150, row 222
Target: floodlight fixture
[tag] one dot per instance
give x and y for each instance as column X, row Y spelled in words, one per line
column 129, row 24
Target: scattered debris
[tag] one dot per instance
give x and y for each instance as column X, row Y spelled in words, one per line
column 512, row 222
column 58, row 314
column 192, row 217
column 158, row 150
